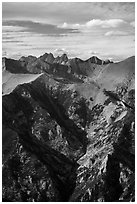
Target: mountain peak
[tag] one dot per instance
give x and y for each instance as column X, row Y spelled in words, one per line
column 96, row 60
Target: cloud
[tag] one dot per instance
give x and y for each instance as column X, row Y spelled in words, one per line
column 37, row 27
column 132, row 23
column 70, row 26
column 105, row 23
column 116, row 33
column 71, row 12
column 60, row 51
column 111, row 23
column 93, row 52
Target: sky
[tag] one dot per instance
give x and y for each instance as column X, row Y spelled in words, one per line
column 79, row 29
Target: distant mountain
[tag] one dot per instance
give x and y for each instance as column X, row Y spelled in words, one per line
column 42, row 63
column 68, row 130
column 13, row 66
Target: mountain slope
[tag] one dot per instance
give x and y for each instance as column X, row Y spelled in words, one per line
column 10, row 81
column 121, row 72
column 69, row 130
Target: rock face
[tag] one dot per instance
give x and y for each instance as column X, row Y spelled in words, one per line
column 48, row 63
column 13, row 66
column 68, row 134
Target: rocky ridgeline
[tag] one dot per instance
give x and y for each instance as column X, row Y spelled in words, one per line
column 66, row 137
column 48, row 63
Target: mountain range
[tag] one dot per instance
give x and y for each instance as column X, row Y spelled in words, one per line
column 68, row 132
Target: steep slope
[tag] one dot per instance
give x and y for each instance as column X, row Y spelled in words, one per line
column 41, row 128
column 121, row 72
column 106, row 172
column 13, row 66
column 10, row 81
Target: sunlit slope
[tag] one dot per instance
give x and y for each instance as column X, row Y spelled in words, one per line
column 10, row 81
column 117, row 73
column 109, row 77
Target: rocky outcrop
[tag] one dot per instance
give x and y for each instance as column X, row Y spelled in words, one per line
column 98, row 61
column 47, row 167
column 54, row 140
column 106, row 171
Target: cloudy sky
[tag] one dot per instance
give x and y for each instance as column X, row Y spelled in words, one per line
column 80, row 29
